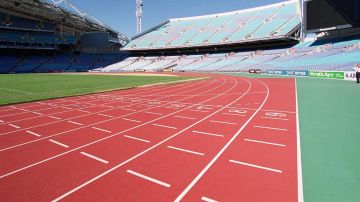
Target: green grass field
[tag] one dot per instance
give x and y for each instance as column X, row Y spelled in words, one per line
column 329, row 113
column 16, row 88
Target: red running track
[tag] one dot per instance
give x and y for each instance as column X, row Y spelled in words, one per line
column 223, row 139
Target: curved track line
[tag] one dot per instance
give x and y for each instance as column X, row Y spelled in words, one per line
column 28, row 111
column 159, row 99
column 22, row 144
column 94, row 142
column 197, row 178
column 147, row 150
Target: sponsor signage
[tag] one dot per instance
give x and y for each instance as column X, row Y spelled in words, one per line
column 327, row 75
column 255, row 71
column 350, row 75
column 288, row 72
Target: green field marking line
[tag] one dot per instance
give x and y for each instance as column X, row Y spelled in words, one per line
column 18, row 91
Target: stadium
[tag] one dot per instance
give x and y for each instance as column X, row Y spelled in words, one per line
column 253, row 104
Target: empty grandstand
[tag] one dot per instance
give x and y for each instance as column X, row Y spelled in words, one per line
column 340, row 55
column 266, row 38
column 274, row 22
column 48, row 36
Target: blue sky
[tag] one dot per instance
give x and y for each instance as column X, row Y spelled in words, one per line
column 120, row 14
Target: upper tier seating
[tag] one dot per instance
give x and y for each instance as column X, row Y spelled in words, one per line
column 267, row 22
column 9, row 39
column 15, row 22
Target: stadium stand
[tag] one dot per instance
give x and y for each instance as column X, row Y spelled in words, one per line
column 262, row 23
column 50, row 36
column 185, row 44
column 333, row 55
column 32, row 39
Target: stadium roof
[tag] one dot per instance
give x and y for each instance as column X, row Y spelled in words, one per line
column 59, row 11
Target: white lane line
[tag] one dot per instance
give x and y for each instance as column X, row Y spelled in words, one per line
column 185, row 150
column 222, row 122
column 132, row 120
column 54, row 117
column 32, row 133
column 298, row 146
column 100, row 129
column 205, row 133
column 185, row 117
column 66, row 107
column 14, row 126
column 94, row 157
column 18, row 91
column 59, row 143
column 1, row 121
column 105, row 115
column 76, row 123
column 149, row 178
column 255, row 166
column 206, row 199
column 262, row 142
column 267, row 110
column 83, row 111
column 195, row 110
column 37, row 113
column 227, row 145
column 154, row 113
column 233, row 114
column 132, row 110
column 170, row 108
column 265, row 127
column 114, row 135
column 164, row 126
column 266, row 117
column 136, row 138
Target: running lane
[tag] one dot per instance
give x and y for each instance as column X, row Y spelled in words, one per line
column 84, row 113
column 160, row 172
column 227, row 141
column 52, row 174
column 261, row 163
column 44, row 145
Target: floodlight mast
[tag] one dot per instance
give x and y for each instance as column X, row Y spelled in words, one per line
column 139, row 5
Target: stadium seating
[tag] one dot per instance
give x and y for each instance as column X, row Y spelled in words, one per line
column 57, row 63
column 14, row 22
column 28, row 64
column 7, row 63
column 267, row 22
column 34, row 39
column 328, row 55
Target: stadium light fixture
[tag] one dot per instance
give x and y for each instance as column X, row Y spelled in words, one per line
column 139, row 12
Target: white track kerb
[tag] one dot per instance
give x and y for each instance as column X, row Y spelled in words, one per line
column 298, row 146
